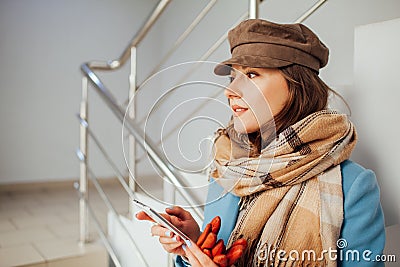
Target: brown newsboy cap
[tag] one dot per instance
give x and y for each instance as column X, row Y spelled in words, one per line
column 259, row 43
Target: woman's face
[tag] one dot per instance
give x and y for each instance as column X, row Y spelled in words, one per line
column 255, row 96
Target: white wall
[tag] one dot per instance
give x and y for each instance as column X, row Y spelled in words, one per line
column 374, row 100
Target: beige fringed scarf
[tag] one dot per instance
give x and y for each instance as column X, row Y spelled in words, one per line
column 291, row 194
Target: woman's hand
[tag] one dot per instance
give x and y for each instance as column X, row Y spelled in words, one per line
column 182, row 219
column 170, row 242
column 179, row 217
column 196, row 257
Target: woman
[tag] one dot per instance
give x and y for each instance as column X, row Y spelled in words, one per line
column 294, row 195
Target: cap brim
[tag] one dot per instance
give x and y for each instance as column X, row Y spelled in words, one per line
column 224, row 68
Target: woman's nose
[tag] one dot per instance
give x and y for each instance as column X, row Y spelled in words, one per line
column 233, row 91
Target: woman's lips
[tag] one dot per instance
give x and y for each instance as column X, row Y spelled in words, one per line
column 238, row 110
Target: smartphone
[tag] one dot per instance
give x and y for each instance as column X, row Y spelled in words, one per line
column 160, row 219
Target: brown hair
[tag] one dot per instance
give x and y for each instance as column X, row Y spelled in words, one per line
column 307, row 94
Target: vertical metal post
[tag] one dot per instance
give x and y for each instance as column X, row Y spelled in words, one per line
column 83, row 181
column 253, row 9
column 132, row 142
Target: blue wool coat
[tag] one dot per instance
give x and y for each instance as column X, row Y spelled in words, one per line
column 362, row 235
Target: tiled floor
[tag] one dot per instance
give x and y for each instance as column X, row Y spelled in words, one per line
column 39, row 226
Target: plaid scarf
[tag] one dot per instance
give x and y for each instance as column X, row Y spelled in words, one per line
column 291, row 194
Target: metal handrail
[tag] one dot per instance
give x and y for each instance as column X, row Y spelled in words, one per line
column 112, row 164
column 88, row 67
column 117, row 63
column 310, row 11
column 89, row 74
column 183, row 36
column 167, row 169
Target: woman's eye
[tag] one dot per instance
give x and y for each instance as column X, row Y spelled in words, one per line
column 231, row 78
column 251, row 75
